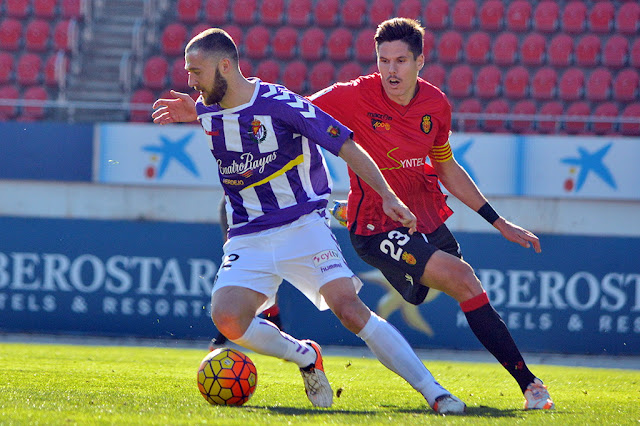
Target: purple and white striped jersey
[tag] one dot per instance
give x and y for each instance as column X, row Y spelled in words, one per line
column 269, row 161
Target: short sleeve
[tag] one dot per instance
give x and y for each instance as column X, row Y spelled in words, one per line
column 337, row 100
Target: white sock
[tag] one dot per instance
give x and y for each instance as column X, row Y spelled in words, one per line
column 395, row 353
column 265, row 338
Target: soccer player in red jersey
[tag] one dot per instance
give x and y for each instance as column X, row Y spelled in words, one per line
column 399, row 119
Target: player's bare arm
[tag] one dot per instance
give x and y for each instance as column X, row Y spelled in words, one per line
column 362, row 165
column 460, row 185
column 180, row 109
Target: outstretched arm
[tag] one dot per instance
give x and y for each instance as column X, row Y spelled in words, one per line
column 180, row 109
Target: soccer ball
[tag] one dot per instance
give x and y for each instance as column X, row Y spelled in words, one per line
column 227, row 377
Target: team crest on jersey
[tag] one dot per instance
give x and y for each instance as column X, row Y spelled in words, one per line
column 380, row 125
column 425, row 125
column 259, row 131
column 333, row 131
column 409, row 258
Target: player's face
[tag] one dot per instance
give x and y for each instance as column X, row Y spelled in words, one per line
column 205, row 77
column 399, row 70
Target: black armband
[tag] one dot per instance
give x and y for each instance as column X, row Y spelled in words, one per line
column 488, row 213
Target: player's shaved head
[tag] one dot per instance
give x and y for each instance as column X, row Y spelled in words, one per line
column 408, row 30
column 214, row 41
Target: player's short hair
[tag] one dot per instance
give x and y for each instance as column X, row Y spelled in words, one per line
column 408, row 30
column 214, row 41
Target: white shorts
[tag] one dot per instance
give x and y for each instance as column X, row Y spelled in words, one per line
column 304, row 252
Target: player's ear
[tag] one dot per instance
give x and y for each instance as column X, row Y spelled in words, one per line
column 420, row 61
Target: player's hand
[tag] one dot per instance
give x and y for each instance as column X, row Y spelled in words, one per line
column 399, row 212
column 181, row 109
column 518, row 235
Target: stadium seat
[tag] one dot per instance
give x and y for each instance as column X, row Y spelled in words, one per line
column 634, row 57
column 17, row 9
column 34, row 94
column 155, row 71
column 560, row 52
column 10, row 93
column 37, row 35
column 449, row 47
column 574, row 17
column 285, row 41
column 631, row 111
column 598, row 86
column 463, row 16
column 491, row 15
column 468, row 106
column 365, row 47
column 257, row 42
column 246, row 68
column 64, row 35
column 505, row 48
column 272, row 12
column 532, row 50
column 216, row 12
column 243, row 12
column 516, row 82
column 188, row 11
column 626, row 85
column 321, row 76
column 436, row 14
column 269, row 71
column 545, row 17
column 552, row 108
column 571, row 85
column 605, row 110
column 488, row 82
column 174, row 38
column 615, row 51
column 601, row 17
column 71, row 9
column 312, row 44
column 523, row 125
column 409, row 9
column 10, row 34
column 326, row 13
column 294, row 76
column 236, row 33
column 459, row 81
column 353, row 13
column 435, row 74
column 45, row 9
column 380, row 10
column 299, row 13
column 476, row 50
column 543, row 84
column 141, row 98
column 577, row 109
column 429, row 42
column 198, row 28
column 178, row 76
column 588, row 51
column 28, row 69
column 628, row 18
column 349, row 71
column 339, row 44
column 519, row 16
column 51, row 68
column 6, row 67
column 496, row 106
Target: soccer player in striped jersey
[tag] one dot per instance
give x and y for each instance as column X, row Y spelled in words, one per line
column 265, row 141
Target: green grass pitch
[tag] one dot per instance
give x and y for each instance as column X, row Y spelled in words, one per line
column 69, row 384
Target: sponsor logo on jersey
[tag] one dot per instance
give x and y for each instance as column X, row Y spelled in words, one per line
column 325, row 256
column 247, row 164
column 382, row 117
column 258, row 131
column 330, row 267
column 333, row 131
column 402, row 164
column 212, row 132
column 234, row 182
column 380, row 125
column 425, row 125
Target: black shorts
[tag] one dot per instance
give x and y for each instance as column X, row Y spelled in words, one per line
column 402, row 257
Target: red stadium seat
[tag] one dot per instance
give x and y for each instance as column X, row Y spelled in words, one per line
column 6, row 67
column 505, row 48
column 284, row 43
column 10, row 93
column 188, row 11
column 571, row 85
column 459, row 81
column 65, row 34
column 476, row 50
column 605, row 110
column 533, row 49
column 243, row 11
column 349, row 71
column 449, row 47
column 626, row 85
column 574, row 17
column 409, row 9
column 17, row 9
column 365, row 47
column 339, row 44
column 246, row 68
column 615, row 52
column 628, row 18
column 312, row 44
column 52, row 68
column 523, row 125
column 72, row 9
column 236, row 33
column 198, row 28
column 464, row 15
column 588, row 51
column 269, row 71
column 516, row 82
column 34, row 94
column 488, row 82
column 634, row 59
column 28, row 69
column 299, row 13
column 155, row 72
column 428, row 44
column 598, row 86
column 601, row 17
column 10, row 34
column 545, row 17
column 321, row 76
column 326, row 13
column 519, row 16
column 553, row 108
column 141, row 98
column 577, row 109
column 353, row 13
column 37, row 35
column 272, row 12
column 257, row 42
column 543, row 85
column 380, row 10
column 45, row 9
column 631, row 111
column 174, row 38
column 560, row 52
column 435, row 74
column 491, row 15
column 294, row 76
column 436, row 14
column 496, row 106
column 216, row 12
column 178, row 76
column 469, row 106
